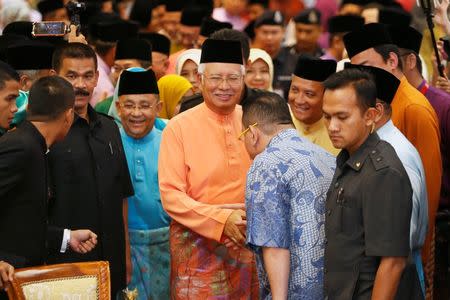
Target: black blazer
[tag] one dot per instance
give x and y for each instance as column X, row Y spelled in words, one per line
column 24, row 193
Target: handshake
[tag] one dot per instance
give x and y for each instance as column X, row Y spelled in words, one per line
column 235, row 226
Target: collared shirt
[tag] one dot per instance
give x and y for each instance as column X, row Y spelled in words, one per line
column 440, row 101
column 104, row 87
column 202, row 165
column 283, row 67
column 414, row 116
column 410, row 159
column 317, row 133
column 285, row 202
column 368, row 215
column 90, row 178
column 145, row 211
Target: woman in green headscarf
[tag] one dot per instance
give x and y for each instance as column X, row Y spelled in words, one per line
column 172, row 89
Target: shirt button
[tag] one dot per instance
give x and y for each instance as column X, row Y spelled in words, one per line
column 329, row 212
column 379, row 159
column 374, row 151
column 325, row 270
column 336, row 185
column 138, row 150
column 326, row 241
column 138, row 174
column 138, row 161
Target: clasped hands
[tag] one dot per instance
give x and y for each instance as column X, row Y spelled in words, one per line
column 235, row 226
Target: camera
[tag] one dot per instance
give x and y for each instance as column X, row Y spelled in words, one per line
column 74, row 8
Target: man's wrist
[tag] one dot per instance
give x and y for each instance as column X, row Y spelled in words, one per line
column 65, row 240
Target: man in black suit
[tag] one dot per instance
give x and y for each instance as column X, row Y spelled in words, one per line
column 24, row 181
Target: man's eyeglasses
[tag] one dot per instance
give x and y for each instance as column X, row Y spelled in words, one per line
column 246, row 130
column 233, row 80
column 131, row 106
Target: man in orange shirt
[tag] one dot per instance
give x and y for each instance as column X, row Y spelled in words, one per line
column 412, row 114
column 202, row 174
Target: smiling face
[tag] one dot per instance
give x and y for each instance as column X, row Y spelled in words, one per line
column 138, row 113
column 257, row 75
column 222, row 95
column 8, row 107
column 305, row 99
column 348, row 125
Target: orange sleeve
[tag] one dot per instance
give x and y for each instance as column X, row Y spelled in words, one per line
column 205, row 219
column 424, row 135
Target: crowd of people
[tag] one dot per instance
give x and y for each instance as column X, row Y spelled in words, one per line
column 228, row 149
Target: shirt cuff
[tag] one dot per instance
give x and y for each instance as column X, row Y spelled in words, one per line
column 65, row 240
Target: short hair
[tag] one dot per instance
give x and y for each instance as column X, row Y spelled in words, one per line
column 32, row 74
column 72, row 50
column 101, row 47
column 49, row 97
column 234, row 35
column 268, row 110
column 386, row 49
column 362, row 83
column 7, row 73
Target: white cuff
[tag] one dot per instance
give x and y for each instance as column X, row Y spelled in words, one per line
column 65, row 240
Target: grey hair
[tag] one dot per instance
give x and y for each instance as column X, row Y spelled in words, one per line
column 201, row 69
column 32, row 74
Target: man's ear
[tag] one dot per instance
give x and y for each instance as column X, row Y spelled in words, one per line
column 380, row 109
column 371, row 116
column 392, row 61
column 254, row 134
column 52, row 72
column 24, row 82
column 159, row 107
column 118, row 108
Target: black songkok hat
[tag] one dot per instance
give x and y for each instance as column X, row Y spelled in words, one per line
column 310, row 16
column 142, row 12
column 30, row 55
column 264, row 3
column 221, row 51
column 387, row 84
column 210, row 25
column 133, row 83
column 366, row 37
column 134, row 49
column 160, row 43
column 193, row 15
column 8, row 40
column 406, row 37
column 47, row 6
column 20, row 28
column 113, row 30
column 355, row 2
column 270, row 18
column 394, row 16
column 314, row 69
column 174, row 5
column 346, row 23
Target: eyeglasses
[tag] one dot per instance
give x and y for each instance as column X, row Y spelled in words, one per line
column 141, row 107
column 246, row 130
column 233, row 80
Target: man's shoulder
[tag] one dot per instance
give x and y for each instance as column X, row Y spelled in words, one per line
column 384, row 156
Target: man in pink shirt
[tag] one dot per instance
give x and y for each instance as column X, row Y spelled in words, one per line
column 202, row 174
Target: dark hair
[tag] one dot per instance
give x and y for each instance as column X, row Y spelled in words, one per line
column 7, row 73
column 72, row 50
column 267, row 109
column 234, row 35
column 361, row 81
column 50, row 96
column 386, row 49
column 102, row 47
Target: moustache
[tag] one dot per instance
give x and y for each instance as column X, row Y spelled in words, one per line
column 79, row 92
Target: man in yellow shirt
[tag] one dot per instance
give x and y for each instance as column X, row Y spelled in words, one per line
column 412, row 114
column 202, row 175
column 306, row 98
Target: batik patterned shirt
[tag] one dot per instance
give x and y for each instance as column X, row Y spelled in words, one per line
column 285, row 200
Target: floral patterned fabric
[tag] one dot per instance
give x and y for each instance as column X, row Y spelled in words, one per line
column 151, row 263
column 285, row 199
column 202, row 268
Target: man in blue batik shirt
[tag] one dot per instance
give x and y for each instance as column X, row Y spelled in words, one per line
column 138, row 105
column 285, row 200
